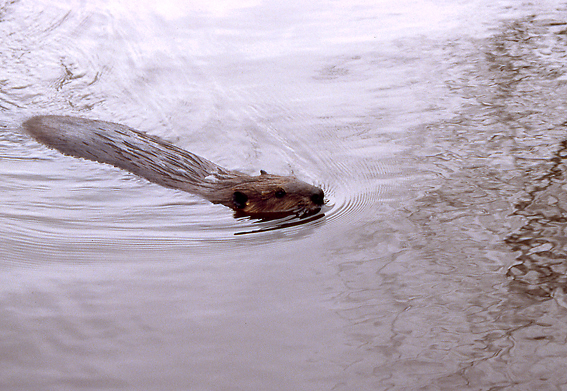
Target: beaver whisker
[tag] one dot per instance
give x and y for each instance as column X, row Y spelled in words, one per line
column 164, row 163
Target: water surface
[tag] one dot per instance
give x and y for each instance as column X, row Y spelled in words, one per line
column 435, row 128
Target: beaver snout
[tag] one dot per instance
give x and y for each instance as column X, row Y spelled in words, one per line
column 318, row 197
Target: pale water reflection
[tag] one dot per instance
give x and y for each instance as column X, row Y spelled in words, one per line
column 436, row 129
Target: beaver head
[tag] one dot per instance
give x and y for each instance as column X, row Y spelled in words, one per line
column 270, row 195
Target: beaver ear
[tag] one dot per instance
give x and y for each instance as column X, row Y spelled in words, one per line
column 262, row 172
column 239, row 200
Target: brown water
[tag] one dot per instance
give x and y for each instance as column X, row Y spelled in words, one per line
column 436, row 129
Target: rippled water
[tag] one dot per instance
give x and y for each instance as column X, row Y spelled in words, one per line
column 437, row 130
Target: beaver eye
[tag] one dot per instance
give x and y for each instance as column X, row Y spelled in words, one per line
column 280, row 193
column 239, row 199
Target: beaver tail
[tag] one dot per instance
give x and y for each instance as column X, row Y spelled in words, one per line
column 147, row 156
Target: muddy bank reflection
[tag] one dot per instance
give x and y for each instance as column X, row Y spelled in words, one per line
column 491, row 222
column 542, row 241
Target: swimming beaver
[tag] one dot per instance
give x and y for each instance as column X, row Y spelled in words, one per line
column 161, row 162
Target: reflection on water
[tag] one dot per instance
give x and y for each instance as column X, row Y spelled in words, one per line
column 499, row 165
column 541, row 241
column 265, row 225
column 439, row 141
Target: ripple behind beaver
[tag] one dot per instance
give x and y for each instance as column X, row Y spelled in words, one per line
column 159, row 161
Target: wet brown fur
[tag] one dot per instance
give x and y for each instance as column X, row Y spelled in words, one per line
column 168, row 165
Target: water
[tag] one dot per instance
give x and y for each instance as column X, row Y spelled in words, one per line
column 436, row 129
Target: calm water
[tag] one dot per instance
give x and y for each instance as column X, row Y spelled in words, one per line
column 436, row 128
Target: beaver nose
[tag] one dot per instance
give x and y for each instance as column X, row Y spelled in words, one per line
column 318, row 197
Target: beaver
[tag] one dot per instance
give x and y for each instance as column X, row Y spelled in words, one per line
column 161, row 162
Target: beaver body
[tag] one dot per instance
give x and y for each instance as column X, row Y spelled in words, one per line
column 168, row 165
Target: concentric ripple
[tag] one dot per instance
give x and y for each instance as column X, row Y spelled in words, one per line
column 357, row 180
column 85, row 210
